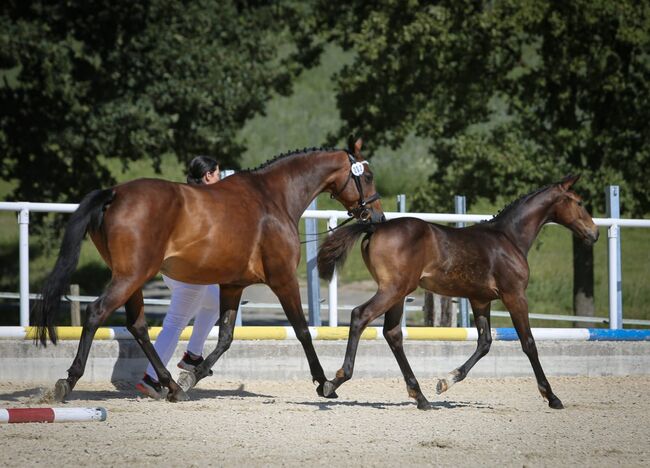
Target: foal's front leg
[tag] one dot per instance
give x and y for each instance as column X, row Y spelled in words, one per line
column 360, row 318
column 482, row 322
column 393, row 335
column 517, row 305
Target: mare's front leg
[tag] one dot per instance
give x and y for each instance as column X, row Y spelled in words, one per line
column 230, row 297
column 360, row 318
column 482, row 322
column 517, row 305
column 288, row 293
column 393, row 335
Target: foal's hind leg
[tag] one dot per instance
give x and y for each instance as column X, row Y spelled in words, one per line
column 96, row 313
column 229, row 303
column 393, row 335
column 137, row 325
column 360, row 318
column 517, row 305
column 482, row 322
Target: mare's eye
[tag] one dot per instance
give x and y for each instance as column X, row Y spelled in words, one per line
column 369, row 177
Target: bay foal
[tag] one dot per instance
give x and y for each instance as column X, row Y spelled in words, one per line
column 482, row 262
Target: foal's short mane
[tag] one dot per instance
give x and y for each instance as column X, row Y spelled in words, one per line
column 286, row 155
column 506, row 210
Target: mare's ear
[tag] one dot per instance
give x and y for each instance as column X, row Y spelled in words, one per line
column 355, row 146
column 568, row 181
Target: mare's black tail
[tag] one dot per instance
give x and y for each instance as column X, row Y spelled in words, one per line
column 335, row 249
column 89, row 214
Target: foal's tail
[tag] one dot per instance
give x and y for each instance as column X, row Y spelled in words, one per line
column 89, row 215
column 335, row 249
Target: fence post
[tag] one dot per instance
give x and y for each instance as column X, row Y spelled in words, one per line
column 75, row 306
column 401, row 208
column 23, row 248
column 614, row 259
column 463, row 306
column 311, row 253
column 332, row 298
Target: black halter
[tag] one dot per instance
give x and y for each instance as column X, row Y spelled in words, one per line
column 361, row 211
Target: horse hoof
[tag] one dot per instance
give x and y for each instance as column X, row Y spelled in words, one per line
column 61, row 390
column 186, row 380
column 423, row 404
column 330, row 387
column 442, row 386
column 555, row 403
column 178, row 395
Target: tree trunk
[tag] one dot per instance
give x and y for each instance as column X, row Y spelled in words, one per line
column 583, row 279
column 438, row 310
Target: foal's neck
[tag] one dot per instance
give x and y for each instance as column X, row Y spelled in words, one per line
column 522, row 224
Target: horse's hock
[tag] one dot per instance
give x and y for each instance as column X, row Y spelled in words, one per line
column 122, row 360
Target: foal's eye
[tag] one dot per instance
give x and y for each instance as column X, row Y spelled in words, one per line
column 580, row 203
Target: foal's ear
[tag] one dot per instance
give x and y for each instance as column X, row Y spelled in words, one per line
column 354, row 147
column 568, row 181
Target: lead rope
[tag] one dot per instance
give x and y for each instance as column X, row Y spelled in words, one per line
column 329, row 230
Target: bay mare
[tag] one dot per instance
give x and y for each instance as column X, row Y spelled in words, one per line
column 482, row 262
column 241, row 231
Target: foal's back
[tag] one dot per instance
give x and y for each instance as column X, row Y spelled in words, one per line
column 476, row 261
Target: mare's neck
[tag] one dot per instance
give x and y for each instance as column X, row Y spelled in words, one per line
column 522, row 224
column 298, row 179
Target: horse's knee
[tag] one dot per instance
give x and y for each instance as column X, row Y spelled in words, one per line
column 394, row 335
column 484, row 345
column 529, row 347
column 303, row 335
column 139, row 331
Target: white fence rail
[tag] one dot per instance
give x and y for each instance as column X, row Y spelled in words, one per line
column 332, row 216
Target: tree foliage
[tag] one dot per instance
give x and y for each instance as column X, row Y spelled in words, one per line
column 84, row 82
column 512, row 94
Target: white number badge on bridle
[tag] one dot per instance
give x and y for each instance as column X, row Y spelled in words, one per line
column 357, row 168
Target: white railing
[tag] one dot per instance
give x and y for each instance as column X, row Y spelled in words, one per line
column 332, row 216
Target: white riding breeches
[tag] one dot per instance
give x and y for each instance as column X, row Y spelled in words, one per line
column 188, row 301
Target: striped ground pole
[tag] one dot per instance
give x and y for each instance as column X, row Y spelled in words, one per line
column 341, row 333
column 51, row 415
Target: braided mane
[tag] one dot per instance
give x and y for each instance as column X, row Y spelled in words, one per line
column 283, row 156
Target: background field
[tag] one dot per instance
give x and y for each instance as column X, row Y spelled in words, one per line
column 304, row 119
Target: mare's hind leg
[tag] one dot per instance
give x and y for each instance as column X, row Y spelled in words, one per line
column 517, row 305
column 360, row 318
column 288, row 293
column 97, row 312
column 393, row 335
column 137, row 325
column 482, row 322
column 229, row 303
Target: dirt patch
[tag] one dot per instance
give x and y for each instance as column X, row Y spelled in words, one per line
column 373, row 423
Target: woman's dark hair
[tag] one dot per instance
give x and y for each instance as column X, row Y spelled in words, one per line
column 198, row 167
